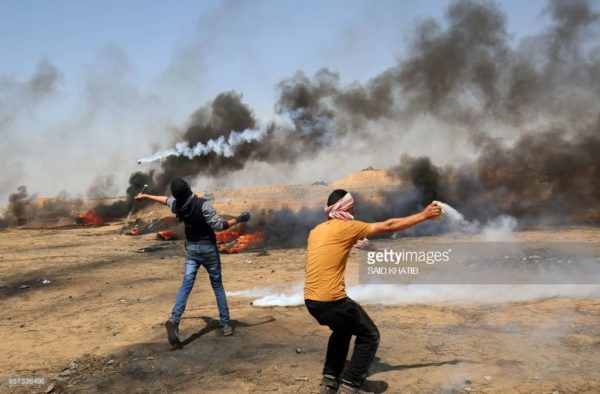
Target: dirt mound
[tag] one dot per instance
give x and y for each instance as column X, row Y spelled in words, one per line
column 368, row 178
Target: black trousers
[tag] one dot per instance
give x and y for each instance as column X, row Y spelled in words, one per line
column 346, row 318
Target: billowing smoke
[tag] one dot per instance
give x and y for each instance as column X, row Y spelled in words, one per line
column 102, row 187
column 227, row 137
column 18, row 98
column 23, row 207
column 544, row 175
column 18, row 204
column 119, row 209
column 530, row 111
column 421, row 293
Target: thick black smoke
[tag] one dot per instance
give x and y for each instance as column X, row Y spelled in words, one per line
column 121, row 208
column 543, row 175
column 464, row 71
column 18, row 205
column 23, row 208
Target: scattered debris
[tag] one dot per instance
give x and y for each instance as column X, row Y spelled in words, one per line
column 488, row 377
column 263, row 252
column 319, row 183
column 49, row 389
column 22, row 287
column 437, row 349
column 65, row 372
column 45, row 281
column 73, row 365
column 143, row 226
column 298, row 350
column 111, row 361
column 299, row 379
column 152, row 249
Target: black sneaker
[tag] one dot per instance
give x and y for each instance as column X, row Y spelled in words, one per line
column 329, row 385
column 173, row 332
column 347, row 389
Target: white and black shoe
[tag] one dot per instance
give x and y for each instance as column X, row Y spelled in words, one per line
column 329, row 385
column 345, row 388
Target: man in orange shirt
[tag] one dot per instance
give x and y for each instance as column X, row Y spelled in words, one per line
column 329, row 245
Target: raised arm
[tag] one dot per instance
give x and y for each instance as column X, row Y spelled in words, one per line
column 159, row 199
column 216, row 222
column 399, row 224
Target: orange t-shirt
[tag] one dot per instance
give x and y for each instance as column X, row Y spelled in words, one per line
column 329, row 245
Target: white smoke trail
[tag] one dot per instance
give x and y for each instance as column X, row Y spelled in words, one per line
column 270, row 296
column 499, row 229
column 421, row 294
column 220, row 146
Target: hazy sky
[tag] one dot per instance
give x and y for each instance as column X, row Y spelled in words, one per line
column 128, row 72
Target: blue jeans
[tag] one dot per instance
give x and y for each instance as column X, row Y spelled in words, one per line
column 206, row 255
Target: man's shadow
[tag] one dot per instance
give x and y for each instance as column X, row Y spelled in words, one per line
column 213, row 324
column 379, row 366
column 379, row 386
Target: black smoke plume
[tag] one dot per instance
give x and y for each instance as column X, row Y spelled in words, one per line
column 544, row 175
column 23, row 208
column 120, row 209
column 18, row 205
column 463, row 71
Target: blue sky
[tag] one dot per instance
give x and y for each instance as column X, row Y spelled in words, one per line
column 132, row 68
column 247, row 46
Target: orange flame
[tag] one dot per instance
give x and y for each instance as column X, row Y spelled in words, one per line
column 89, row 218
column 167, row 235
column 229, row 235
column 244, row 242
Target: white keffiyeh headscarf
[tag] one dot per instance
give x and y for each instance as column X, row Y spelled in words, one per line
column 341, row 209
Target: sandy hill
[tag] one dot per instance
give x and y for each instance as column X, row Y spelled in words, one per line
column 368, row 183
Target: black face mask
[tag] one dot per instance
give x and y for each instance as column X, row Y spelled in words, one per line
column 180, row 189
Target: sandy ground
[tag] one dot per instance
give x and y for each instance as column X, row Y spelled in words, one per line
column 106, row 302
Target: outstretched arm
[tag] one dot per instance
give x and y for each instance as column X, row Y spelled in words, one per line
column 399, row 224
column 159, row 199
column 216, row 222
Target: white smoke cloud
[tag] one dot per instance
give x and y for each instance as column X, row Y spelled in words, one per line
column 501, row 228
column 422, row 293
column 221, row 146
